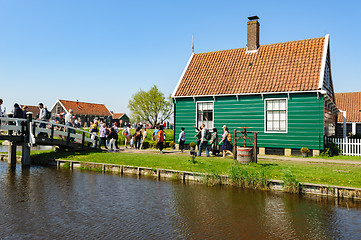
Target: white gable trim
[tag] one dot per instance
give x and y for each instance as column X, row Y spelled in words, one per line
column 66, row 110
column 58, row 101
column 323, row 64
column 184, row 71
column 51, row 109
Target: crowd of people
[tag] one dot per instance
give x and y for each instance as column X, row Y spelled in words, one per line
column 209, row 141
column 108, row 133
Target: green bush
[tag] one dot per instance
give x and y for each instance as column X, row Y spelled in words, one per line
column 192, row 144
column 331, row 149
column 172, row 144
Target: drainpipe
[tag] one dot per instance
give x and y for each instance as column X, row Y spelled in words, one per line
column 344, row 123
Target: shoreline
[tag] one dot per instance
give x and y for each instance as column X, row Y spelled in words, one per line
column 272, row 185
column 334, row 191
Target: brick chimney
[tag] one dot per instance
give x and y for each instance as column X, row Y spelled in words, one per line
column 252, row 33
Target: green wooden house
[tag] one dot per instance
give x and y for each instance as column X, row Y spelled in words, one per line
column 284, row 91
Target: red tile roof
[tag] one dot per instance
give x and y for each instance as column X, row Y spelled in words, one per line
column 281, row 67
column 34, row 109
column 84, row 108
column 351, row 103
column 117, row 115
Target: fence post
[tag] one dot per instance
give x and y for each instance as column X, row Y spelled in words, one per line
column 234, row 144
column 52, row 133
column 25, row 157
column 255, row 147
column 83, row 140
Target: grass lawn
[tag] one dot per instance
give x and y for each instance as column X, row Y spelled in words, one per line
column 319, row 173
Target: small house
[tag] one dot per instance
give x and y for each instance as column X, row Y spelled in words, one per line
column 120, row 119
column 85, row 111
column 350, row 104
column 284, row 91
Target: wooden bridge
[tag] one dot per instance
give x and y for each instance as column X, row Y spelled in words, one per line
column 29, row 132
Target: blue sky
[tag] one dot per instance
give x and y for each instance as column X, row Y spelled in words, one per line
column 105, row 51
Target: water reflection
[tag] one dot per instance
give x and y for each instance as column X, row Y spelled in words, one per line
column 49, row 203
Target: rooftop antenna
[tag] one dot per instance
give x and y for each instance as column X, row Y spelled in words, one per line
column 192, row 44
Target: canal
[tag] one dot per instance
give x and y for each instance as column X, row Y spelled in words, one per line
column 51, row 203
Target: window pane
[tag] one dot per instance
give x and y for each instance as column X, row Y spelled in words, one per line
column 283, row 125
column 276, row 105
column 269, row 125
column 276, row 125
column 283, row 105
column 269, row 105
column 276, row 115
column 269, row 116
column 283, row 116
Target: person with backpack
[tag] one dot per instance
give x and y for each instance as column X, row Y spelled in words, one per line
column 138, row 137
column 160, row 138
column 226, row 139
column 205, row 137
column 214, row 142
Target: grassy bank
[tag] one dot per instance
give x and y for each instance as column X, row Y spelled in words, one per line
column 319, row 173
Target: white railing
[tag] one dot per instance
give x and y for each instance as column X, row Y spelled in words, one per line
column 349, row 146
column 50, row 129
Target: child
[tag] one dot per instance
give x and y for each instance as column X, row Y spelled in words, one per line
column 132, row 142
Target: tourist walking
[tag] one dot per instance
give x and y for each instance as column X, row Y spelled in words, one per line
column 138, row 135
column 25, row 110
column 112, row 138
column 94, row 130
column 116, row 129
column 103, row 136
column 181, row 139
column 160, row 137
column 198, row 136
column 42, row 115
column 144, row 136
column 226, row 145
column 155, row 133
column 214, row 142
column 204, row 140
column 69, row 122
column 126, row 133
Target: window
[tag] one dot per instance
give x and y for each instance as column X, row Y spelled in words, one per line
column 276, row 115
column 205, row 114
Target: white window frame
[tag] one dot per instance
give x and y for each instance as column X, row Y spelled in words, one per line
column 265, row 115
column 197, row 113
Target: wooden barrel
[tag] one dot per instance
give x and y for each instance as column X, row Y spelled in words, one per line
column 244, row 155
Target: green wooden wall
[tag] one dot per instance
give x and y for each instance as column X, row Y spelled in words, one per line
column 305, row 118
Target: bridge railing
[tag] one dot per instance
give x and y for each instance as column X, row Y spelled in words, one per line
column 49, row 130
column 63, row 132
column 13, row 125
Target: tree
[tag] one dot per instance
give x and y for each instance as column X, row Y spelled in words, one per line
column 150, row 106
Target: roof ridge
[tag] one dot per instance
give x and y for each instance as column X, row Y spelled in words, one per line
column 309, row 39
column 81, row 102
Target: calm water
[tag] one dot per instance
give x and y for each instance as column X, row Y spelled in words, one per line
column 46, row 203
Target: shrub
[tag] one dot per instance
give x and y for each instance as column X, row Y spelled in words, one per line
column 305, row 150
column 331, row 149
column 192, row 144
column 172, row 144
